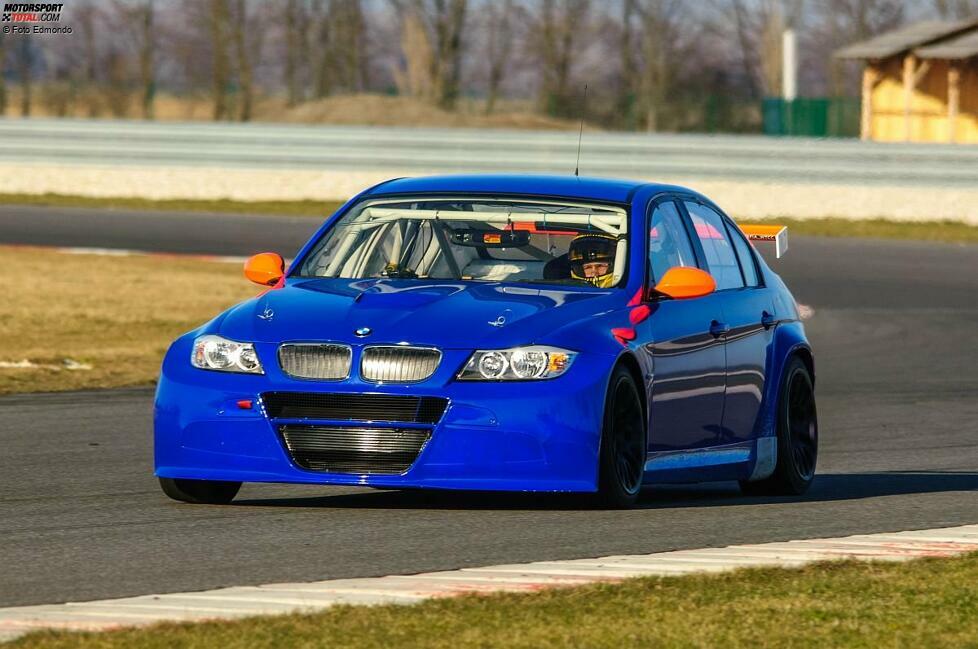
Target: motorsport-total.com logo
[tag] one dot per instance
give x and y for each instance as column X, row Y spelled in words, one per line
column 15, row 14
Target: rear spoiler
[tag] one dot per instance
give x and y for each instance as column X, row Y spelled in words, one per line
column 770, row 233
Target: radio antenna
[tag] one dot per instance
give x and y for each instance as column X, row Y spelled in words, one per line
column 580, row 136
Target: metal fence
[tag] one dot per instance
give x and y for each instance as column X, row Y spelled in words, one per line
column 426, row 150
column 811, row 117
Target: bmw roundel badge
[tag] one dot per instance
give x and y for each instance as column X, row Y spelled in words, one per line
column 363, row 331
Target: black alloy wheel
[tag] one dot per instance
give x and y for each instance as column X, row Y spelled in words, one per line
column 622, row 456
column 797, row 434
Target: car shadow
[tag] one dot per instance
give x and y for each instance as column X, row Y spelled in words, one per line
column 826, row 488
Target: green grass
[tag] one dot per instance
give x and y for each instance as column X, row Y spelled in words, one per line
column 926, row 603
column 285, row 208
column 948, row 231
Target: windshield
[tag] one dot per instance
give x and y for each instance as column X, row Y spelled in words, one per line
column 475, row 239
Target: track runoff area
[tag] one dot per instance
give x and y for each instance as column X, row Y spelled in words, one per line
column 308, row 597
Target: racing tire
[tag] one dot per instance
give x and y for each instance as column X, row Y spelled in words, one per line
column 200, row 492
column 621, row 462
column 797, row 433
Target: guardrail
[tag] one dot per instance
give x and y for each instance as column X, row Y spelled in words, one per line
column 423, row 150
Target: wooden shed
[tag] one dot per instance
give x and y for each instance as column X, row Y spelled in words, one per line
column 920, row 83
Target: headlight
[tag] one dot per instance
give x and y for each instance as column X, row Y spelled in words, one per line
column 517, row 364
column 216, row 353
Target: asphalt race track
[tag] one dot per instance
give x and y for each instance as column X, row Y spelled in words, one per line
column 894, row 328
column 215, row 234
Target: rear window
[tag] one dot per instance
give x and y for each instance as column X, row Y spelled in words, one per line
column 720, row 256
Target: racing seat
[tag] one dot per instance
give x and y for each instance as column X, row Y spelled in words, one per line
column 557, row 268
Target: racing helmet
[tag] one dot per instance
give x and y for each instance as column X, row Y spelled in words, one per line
column 592, row 258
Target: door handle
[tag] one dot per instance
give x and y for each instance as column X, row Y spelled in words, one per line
column 718, row 329
column 767, row 320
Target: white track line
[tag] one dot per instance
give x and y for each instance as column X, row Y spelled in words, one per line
column 123, row 252
column 236, row 602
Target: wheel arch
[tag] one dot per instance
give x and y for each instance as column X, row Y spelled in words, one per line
column 630, row 363
column 808, row 358
column 789, row 341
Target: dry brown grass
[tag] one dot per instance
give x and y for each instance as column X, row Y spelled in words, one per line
column 359, row 109
column 381, row 110
column 117, row 314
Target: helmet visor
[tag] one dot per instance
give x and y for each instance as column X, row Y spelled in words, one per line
column 592, row 256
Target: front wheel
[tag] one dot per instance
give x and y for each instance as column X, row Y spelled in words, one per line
column 200, row 492
column 797, row 432
column 621, row 463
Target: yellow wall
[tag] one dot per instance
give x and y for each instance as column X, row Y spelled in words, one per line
column 967, row 124
column 928, row 107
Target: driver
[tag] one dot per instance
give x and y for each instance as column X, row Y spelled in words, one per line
column 592, row 258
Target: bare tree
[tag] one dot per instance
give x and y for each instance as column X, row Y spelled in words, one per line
column 659, row 19
column 221, row 74
column 86, row 14
column 3, row 83
column 134, row 20
column 116, row 89
column 751, row 46
column 449, row 21
column 25, row 62
column 956, row 9
column 759, row 27
column 840, row 22
column 500, row 19
column 353, row 46
column 340, row 41
column 244, row 59
column 147, row 56
column 556, row 34
column 414, row 78
column 431, row 37
column 294, row 36
column 627, row 84
column 859, row 19
column 324, row 75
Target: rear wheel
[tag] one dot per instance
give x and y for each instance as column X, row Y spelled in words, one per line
column 200, row 492
column 797, row 432
column 622, row 457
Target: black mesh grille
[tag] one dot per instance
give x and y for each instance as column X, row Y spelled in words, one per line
column 354, row 407
column 353, row 450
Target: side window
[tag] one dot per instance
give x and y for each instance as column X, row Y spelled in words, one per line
column 668, row 242
column 745, row 256
column 719, row 252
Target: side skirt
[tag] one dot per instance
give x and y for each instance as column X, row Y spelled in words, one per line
column 753, row 459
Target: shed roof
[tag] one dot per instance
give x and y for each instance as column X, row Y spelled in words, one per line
column 959, row 47
column 906, row 38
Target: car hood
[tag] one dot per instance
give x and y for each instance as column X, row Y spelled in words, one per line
column 446, row 314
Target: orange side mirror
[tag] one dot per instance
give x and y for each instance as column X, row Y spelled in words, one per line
column 681, row 282
column 265, row 268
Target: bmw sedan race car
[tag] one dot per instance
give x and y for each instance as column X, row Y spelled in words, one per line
column 500, row 333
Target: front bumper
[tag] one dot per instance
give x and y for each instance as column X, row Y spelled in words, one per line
column 520, row 436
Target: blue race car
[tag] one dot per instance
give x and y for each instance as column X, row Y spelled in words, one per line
column 500, row 333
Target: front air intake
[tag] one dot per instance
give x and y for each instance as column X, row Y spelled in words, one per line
column 347, row 406
column 353, row 450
